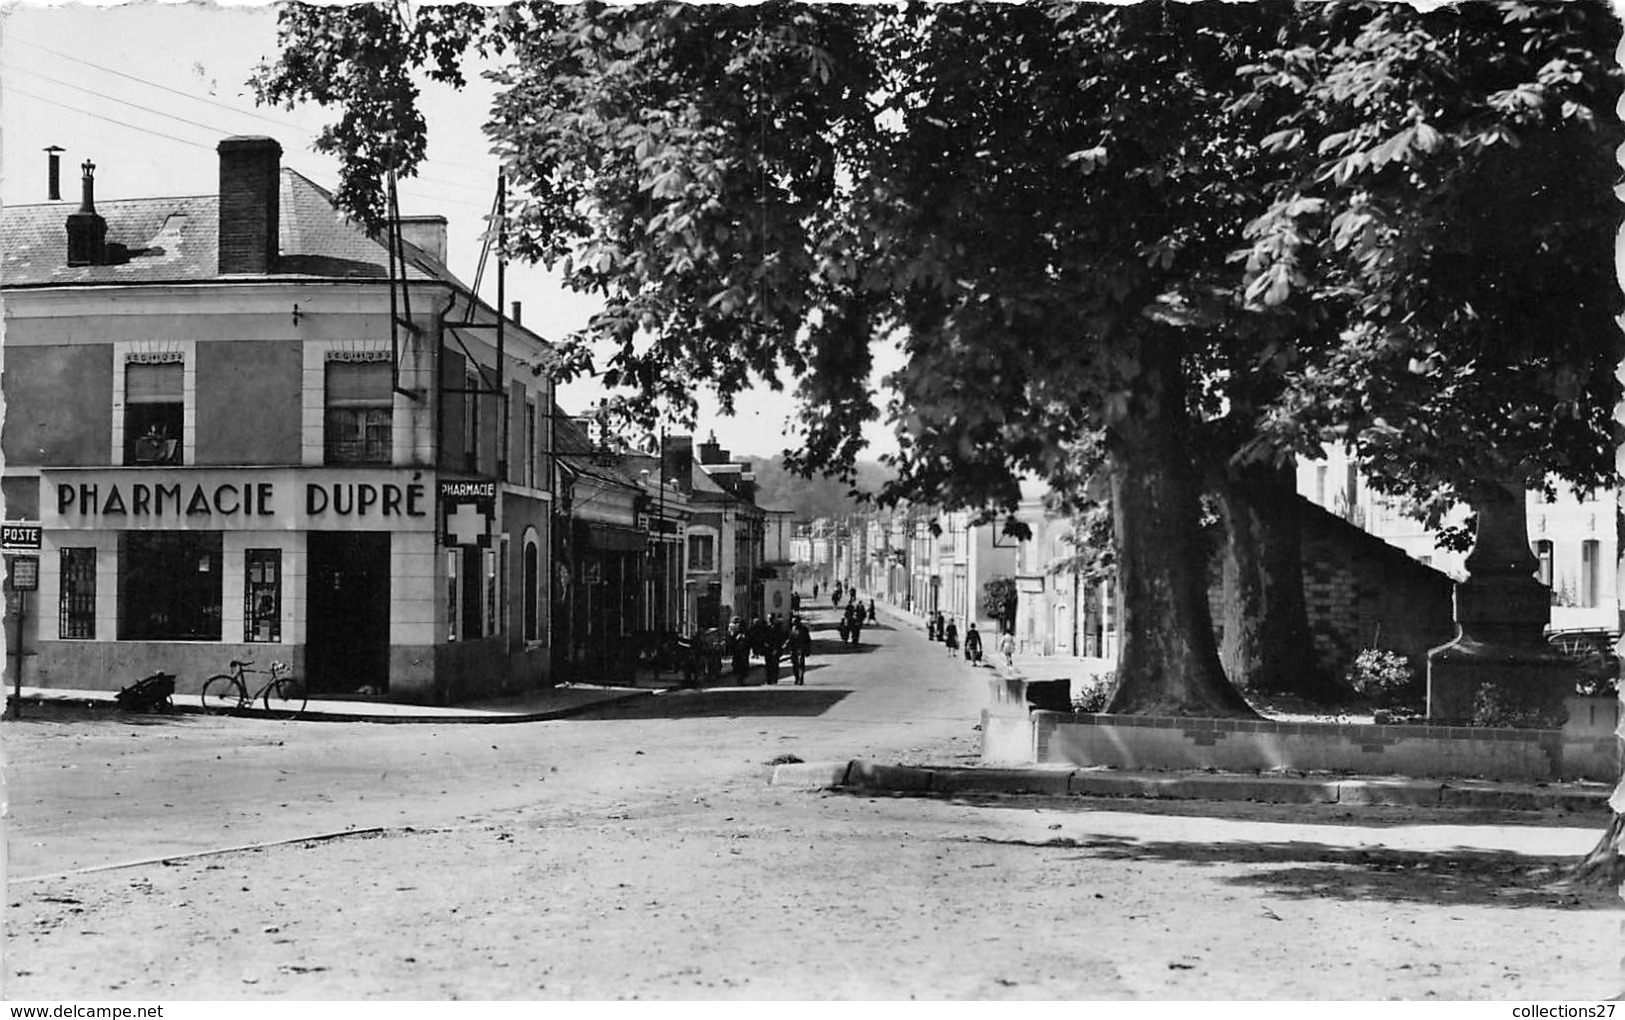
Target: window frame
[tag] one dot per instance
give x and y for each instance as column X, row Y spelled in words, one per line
column 256, row 591
column 360, row 414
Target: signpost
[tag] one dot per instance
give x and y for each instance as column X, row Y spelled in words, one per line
column 22, row 578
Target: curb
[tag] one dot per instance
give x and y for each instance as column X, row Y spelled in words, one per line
column 185, row 708
column 1479, row 795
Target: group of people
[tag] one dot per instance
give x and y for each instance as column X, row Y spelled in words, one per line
column 770, row 640
column 852, row 621
column 941, row 628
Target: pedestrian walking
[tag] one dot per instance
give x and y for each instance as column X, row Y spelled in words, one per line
column 1007, row 648
column 973, row 644
column 950, row 637
column 871, row 610
column 800, row 642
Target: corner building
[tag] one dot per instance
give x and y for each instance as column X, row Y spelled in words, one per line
column 244, row 434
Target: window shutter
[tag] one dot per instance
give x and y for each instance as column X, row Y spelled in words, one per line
column 359, row 382
column 153, row 384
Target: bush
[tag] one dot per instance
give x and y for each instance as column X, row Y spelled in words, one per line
column 1095, row 693
column 1387, row 679
column 1495, row 705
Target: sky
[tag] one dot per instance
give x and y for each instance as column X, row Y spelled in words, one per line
column 146, row 91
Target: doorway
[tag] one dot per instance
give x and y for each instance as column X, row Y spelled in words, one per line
column 347, row 612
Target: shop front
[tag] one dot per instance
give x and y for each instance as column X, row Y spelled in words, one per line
column 331, row 571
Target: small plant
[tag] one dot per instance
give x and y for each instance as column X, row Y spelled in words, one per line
column 1095, row 692
column 1386, row 678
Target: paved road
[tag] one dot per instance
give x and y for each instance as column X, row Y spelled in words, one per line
column 642, row 854
column 92, row 792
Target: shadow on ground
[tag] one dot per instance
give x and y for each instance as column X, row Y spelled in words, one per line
column 1460, row 876
column 780, row 700
column 46, row 712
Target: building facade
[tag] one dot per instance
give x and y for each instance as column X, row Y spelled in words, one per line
column 240, row 435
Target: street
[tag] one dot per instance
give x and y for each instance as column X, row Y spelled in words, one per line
column 642, row 853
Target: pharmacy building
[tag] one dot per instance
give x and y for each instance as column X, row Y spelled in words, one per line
column 240, row 426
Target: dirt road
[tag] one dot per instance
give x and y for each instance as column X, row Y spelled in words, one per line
column 645, row 855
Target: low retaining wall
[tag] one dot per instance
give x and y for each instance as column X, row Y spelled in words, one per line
column 1586, row 748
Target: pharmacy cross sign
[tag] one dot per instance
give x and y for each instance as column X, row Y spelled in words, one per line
column 467, row 525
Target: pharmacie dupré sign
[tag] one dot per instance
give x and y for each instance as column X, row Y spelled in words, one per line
column 238, row 499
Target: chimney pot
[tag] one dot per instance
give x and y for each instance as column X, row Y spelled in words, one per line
column 250, row 190
column 53, row 154
column 518, row 315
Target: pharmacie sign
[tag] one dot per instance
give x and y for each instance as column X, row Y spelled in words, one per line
column 237, row 499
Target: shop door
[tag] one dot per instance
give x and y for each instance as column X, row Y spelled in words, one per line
column 347, row 612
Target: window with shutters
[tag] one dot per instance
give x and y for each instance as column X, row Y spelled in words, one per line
column 359, row 420
column 154, row 412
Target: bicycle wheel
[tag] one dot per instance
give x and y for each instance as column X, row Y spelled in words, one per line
column 285, row 695
column 223, row 693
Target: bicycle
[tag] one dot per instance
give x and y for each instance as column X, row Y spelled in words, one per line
column 228, row 692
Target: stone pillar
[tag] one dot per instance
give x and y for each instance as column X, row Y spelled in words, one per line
column 1501, row 614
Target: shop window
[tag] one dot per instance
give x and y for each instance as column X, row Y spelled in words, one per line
column 702, row 553
column 154, row 413
column 533, row 582
column 453, row 557
column 492, row 572
column 76, row 613
column 262, row 595
column 358, row 425
column 169, row 586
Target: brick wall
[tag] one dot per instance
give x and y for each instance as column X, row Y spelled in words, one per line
column 1361, row 593
column 1364, row 593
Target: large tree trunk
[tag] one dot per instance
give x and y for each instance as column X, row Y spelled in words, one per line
column 1268, row 646
column 1169, row 662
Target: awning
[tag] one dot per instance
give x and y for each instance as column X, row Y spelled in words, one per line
column 606, row 536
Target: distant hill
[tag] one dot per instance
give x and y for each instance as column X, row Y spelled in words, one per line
column 811, row 497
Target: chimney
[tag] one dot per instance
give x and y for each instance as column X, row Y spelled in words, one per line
column 678, row 454
column 250, row 186
column 426, row 232
column 711, row 453
column 518, row 315
column 87, row 231
column 53, row 173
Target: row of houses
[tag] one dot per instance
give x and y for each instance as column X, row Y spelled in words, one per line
column 240, row 426
column 1372, row 576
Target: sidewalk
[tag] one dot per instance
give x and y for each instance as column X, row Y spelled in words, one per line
column 534, row 706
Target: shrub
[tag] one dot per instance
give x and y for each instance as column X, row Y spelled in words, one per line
column 1498, row 705
column 1386, row 678
column 1095, row 692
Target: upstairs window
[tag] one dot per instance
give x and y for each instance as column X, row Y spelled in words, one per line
column 702, row 553
column 471, row 423
column 154, row 412
column 359, row 418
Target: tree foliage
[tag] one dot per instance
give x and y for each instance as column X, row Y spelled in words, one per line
column 1445, row 207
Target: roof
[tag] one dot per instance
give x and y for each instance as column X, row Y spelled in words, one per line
column 575, row 451
column 177, row 240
